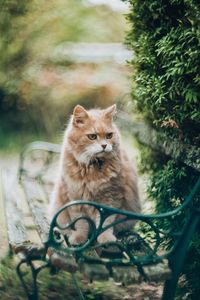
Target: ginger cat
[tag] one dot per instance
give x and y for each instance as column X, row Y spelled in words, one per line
column 94, row 167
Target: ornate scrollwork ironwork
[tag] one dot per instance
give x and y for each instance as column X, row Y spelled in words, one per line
column 131, row 247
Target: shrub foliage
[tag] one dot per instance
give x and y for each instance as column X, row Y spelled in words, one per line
column 165, row 38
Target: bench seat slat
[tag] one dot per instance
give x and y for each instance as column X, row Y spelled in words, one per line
column 62, row 260
column 154, row 273
column 37, row 207
column 17, row 234
column 34, row 197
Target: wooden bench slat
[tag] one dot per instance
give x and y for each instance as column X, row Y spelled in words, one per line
column 130, row 275
column 34, row 198
column 62, row 260
column 94, row 271
column 66, row 262
column 17, row 234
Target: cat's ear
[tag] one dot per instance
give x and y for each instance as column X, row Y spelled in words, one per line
column 80, row 115
column 110, row 111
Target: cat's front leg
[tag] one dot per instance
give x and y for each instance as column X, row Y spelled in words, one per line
column 80, row 233
column 108, row 235
column 77, row 237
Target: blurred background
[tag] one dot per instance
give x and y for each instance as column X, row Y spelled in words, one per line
column 55, row 54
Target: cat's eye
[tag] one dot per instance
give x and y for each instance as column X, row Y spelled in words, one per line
column 109, row 135
column 92, row 136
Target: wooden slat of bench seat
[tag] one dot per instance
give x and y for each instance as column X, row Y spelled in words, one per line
column 154, row 273
column 17, row 234
column 37, row 207
column 62, row 260
column 66, row 261
column 94, row 271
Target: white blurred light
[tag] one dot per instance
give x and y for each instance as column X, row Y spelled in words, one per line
column 93, row 52
column 116, row 5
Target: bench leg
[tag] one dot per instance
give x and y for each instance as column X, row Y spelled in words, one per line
column 177, row 257
column 31, row 292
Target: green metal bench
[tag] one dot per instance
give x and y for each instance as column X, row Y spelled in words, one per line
column 132, row 258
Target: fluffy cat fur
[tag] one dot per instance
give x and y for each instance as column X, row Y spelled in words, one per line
column 94, row 167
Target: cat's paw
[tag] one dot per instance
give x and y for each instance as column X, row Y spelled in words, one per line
column 77, row 238
column 106, row 237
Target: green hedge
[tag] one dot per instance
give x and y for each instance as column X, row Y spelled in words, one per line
column 165, row 38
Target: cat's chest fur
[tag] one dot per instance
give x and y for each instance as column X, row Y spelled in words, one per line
column 87, row 183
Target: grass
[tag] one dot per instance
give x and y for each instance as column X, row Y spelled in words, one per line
column 51, row 287
column 61, row 286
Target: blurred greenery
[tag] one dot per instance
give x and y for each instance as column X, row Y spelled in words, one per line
column 37, row 92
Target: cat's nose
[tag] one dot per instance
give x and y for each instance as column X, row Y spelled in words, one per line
column 104, row 146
